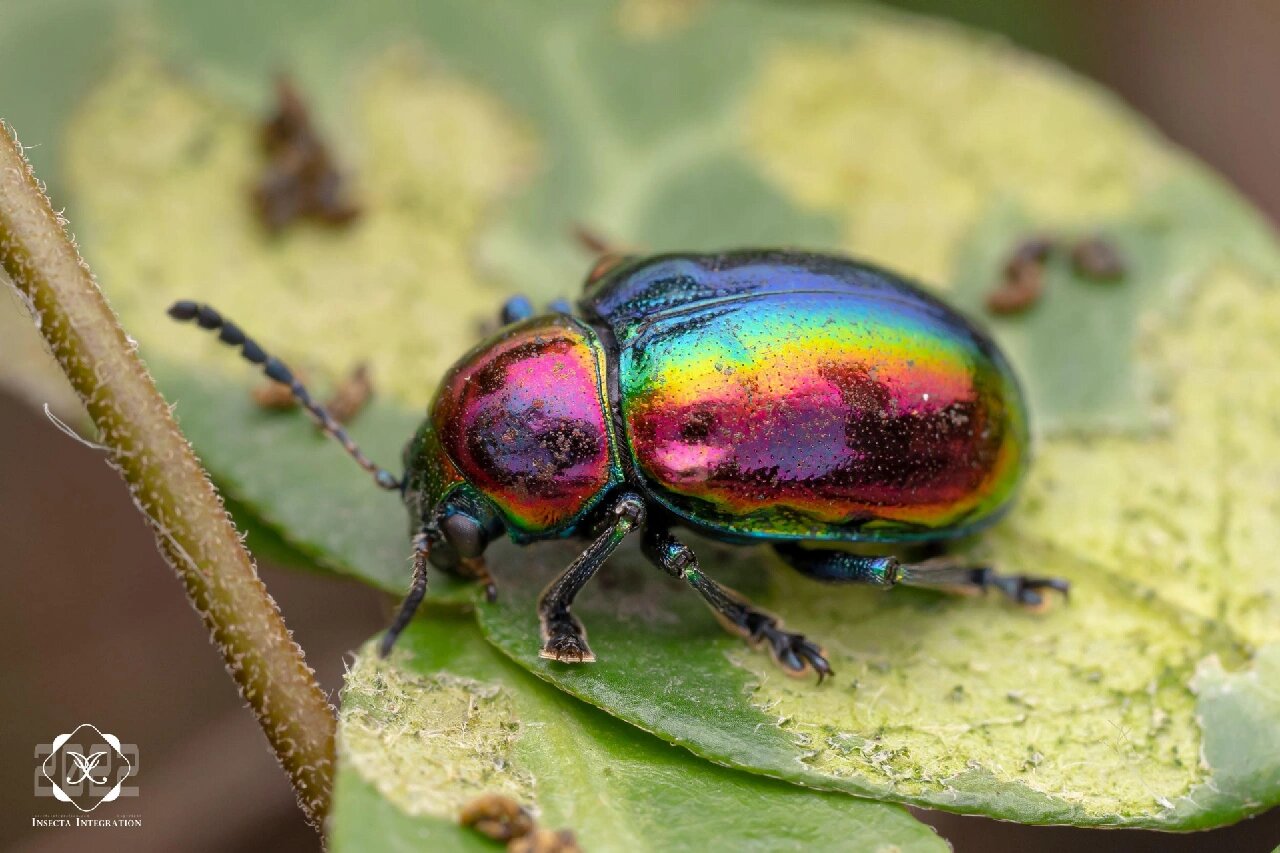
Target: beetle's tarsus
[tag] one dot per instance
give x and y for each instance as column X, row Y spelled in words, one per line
column 796, row 655
column 1020, row 589
column 948, row 574
column 567, row 644
column 943, row 573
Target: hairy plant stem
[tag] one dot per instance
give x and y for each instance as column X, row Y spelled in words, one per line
column 168, row 484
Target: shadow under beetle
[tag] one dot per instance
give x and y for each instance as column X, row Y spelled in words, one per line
column 752, row 396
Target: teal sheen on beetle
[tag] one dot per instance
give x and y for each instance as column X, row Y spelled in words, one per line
column 756, row 397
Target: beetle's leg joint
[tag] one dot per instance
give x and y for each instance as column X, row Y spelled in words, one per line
column 630, row 509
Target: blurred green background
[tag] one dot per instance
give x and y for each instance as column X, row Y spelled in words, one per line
column 77, row 560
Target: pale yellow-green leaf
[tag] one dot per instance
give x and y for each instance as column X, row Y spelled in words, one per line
column 448, row 719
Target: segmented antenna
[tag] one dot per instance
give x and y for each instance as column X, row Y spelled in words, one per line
column 275, row 369
column 417, row 589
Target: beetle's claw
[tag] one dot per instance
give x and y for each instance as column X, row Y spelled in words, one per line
column 796, row 655
column 567, row 648
column 1026, row 590
column 1059, row 585
column 815, row 660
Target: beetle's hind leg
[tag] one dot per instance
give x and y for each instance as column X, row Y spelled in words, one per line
column 942, row 572
column 793, row 652
column 951, row 574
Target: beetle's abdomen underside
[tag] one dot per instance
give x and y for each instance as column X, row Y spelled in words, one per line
column 836, row 415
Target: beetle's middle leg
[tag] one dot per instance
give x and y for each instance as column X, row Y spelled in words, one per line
column 563, row 637
column 793, row 652
column 944, row 572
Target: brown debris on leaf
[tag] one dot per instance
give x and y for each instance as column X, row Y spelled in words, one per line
column 498, row 817
column 1098, row 259
column 300, row 179
column 276, row 396
column 546, row 841
column 350, row 397
column 347, row 401
column 1022, row 284
column 503, row 819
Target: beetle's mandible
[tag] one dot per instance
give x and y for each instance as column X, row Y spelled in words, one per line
column 787, row 398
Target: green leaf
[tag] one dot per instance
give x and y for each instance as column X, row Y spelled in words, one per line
column 488, row 128
column 448, row 719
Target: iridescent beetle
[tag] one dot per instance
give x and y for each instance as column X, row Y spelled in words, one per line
column 751, row 396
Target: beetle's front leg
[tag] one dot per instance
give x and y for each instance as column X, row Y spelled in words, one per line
column 793, row 652
column 563, row 637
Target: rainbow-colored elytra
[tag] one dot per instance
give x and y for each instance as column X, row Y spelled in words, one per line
column 782, row 396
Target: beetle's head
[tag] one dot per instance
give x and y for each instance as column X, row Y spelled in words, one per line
column 517, row 438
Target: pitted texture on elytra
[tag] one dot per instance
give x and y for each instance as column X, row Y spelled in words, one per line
column 523, row 418
column 782, row 394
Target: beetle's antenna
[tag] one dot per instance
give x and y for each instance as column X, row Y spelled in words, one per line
column 231, row 334
column 417, row 589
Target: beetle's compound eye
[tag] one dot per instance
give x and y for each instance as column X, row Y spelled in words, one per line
column 465, row 534
column 443, row 556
